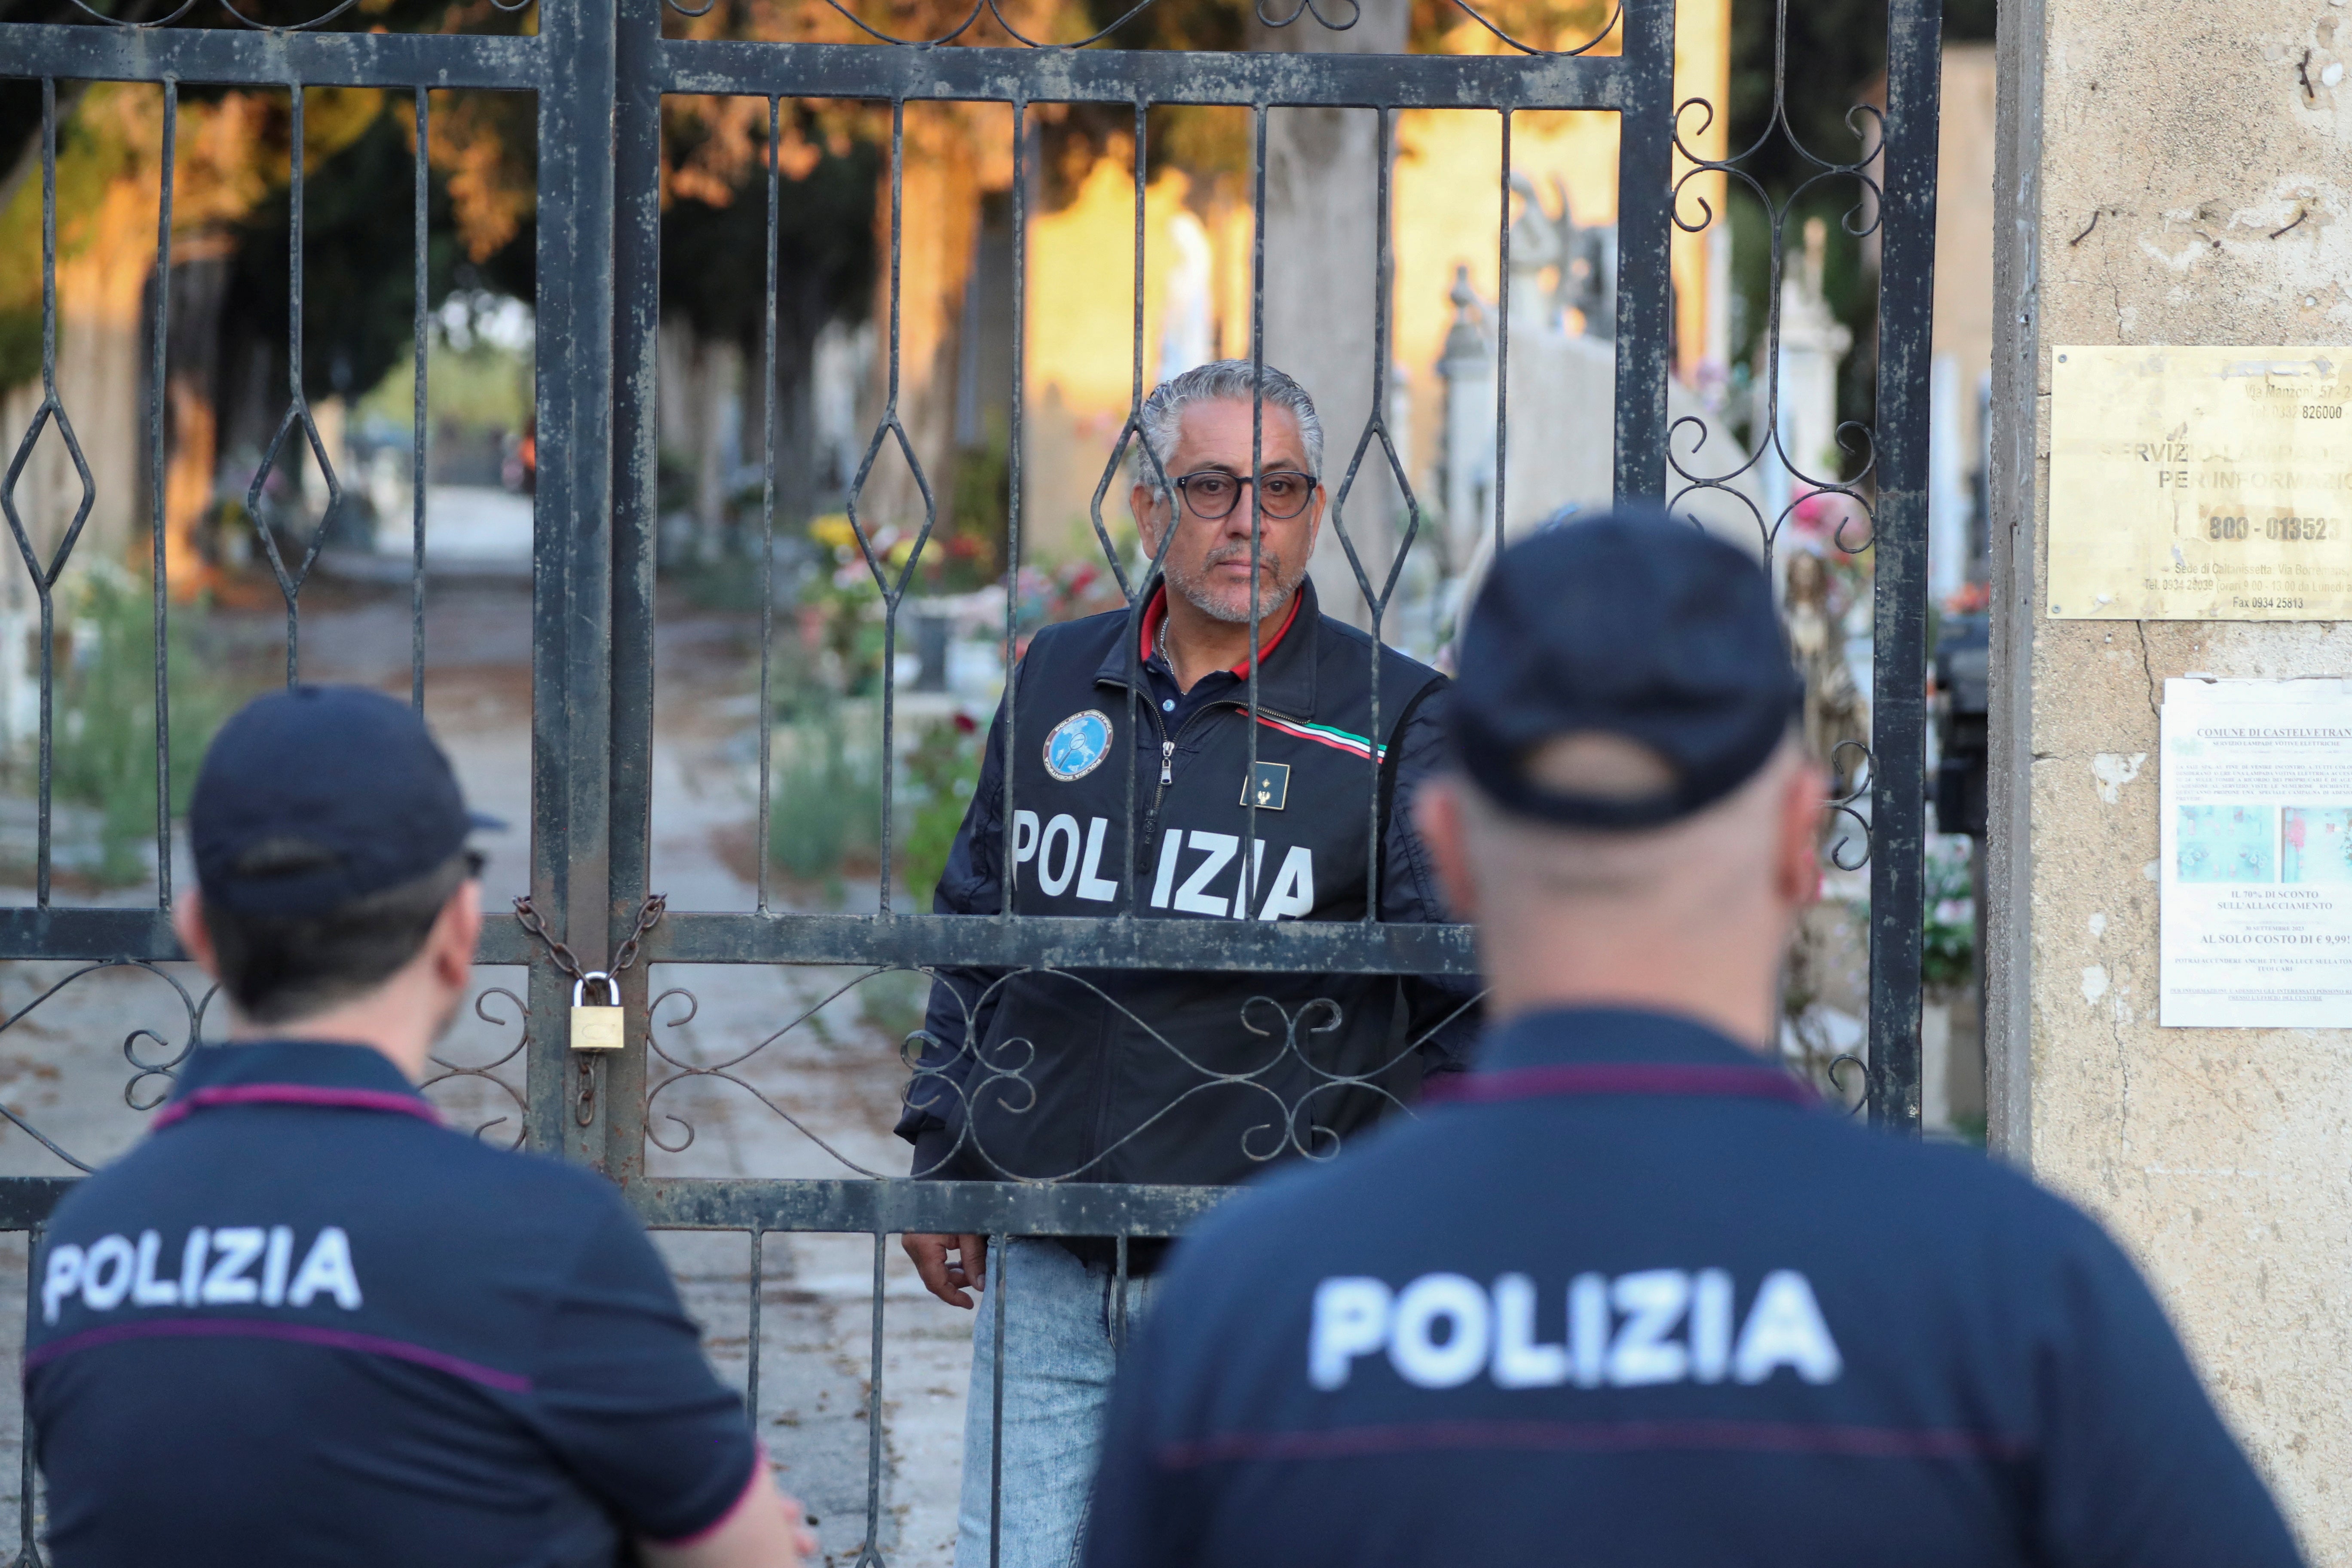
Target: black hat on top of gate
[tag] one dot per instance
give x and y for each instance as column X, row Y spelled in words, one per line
column 1631, row 625
column 315, row 797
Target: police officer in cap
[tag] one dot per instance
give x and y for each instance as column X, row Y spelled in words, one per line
column 302, row 1321
column 1632, row 1296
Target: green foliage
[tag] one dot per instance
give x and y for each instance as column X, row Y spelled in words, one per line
column 937, row 781
column 479, row 387
column 1204, row 140
column 825, row 809
column 20, row 339
column 827, row 804
column 714, row 266
column 358, row 265
column 964, row 556
column 1948, row 931
column 90, row 157
column 104, row 750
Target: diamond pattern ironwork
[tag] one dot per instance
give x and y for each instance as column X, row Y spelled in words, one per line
column 1376, row 430
column 289, row 583
column 44, row 576
column 892, row 591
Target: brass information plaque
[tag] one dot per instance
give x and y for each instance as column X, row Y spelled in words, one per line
column 2201, row 484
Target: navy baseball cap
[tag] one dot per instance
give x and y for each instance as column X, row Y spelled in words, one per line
column 317, row 796
column 1634, row 624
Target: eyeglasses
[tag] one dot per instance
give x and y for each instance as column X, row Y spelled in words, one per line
column 1212, row 493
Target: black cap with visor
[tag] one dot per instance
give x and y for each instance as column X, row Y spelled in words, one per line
column 1633, row 625
column 316, row 797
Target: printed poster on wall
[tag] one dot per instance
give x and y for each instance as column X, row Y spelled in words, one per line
column 2255, row 879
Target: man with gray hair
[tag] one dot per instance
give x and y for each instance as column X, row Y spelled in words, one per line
column 1260, row 752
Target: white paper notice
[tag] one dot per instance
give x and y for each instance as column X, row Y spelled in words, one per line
column 2255, row 790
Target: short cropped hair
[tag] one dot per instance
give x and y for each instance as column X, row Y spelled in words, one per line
column 277, row 968
column 1164, row 411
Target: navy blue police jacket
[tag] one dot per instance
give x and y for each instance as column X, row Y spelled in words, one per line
column 1630, row 1302
column 301, row 1321
column 1140, row 1076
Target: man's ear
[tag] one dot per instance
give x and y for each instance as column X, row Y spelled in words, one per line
column 1140, row 503
column 456, row 933
column 1797, row 875
column 188, row 925
column 1437, row 818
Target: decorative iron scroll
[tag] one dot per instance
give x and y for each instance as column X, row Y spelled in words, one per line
column 489, row 1071
column 151, row 1075
column 1002, row 1070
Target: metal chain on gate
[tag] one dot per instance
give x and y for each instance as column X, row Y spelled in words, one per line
column 595, row 1027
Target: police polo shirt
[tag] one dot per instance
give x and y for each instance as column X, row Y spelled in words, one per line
column 302, row 1321
column 1159, row 677
column 1631, row 1302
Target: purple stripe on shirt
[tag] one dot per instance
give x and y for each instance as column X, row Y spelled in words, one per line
column 295, row 1334
column 1595, row 1436
column 294, row 1094
column 1758, row 1082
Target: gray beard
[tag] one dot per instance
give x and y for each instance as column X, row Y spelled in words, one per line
column 1273, row 594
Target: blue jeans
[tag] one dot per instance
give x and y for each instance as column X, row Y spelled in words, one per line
column 1059, row 1319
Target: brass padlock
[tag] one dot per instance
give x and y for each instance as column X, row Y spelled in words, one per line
column 597, row 1028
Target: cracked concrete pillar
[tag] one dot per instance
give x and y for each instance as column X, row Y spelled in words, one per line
column 2169, row 183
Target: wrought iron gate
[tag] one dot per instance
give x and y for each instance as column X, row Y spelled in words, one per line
column 599, row 69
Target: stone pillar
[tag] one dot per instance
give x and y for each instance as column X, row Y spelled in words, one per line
column 2173, row 183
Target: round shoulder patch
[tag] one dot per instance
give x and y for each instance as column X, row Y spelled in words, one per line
column 1078, row 744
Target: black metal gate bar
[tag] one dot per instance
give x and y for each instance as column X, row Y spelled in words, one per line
column 573, row 609
column 421, row 306
column 1645, row 291
column 891, row 1207
column 157, row 464
column 1503, row 340
column 609, row 1127
column 910, row 941
column 27, row 1202
column 42, row 571
column 229, row 57
column 1899, row 707
column 771, row 418
column 978, row 74
column 68, row 930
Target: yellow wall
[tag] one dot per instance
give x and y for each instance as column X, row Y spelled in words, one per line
column 1082, row 283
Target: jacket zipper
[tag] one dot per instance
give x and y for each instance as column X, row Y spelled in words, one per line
column 1104, row 1065
column 1168, row 757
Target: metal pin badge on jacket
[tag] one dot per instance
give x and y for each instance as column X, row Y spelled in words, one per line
column 1268, row 786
